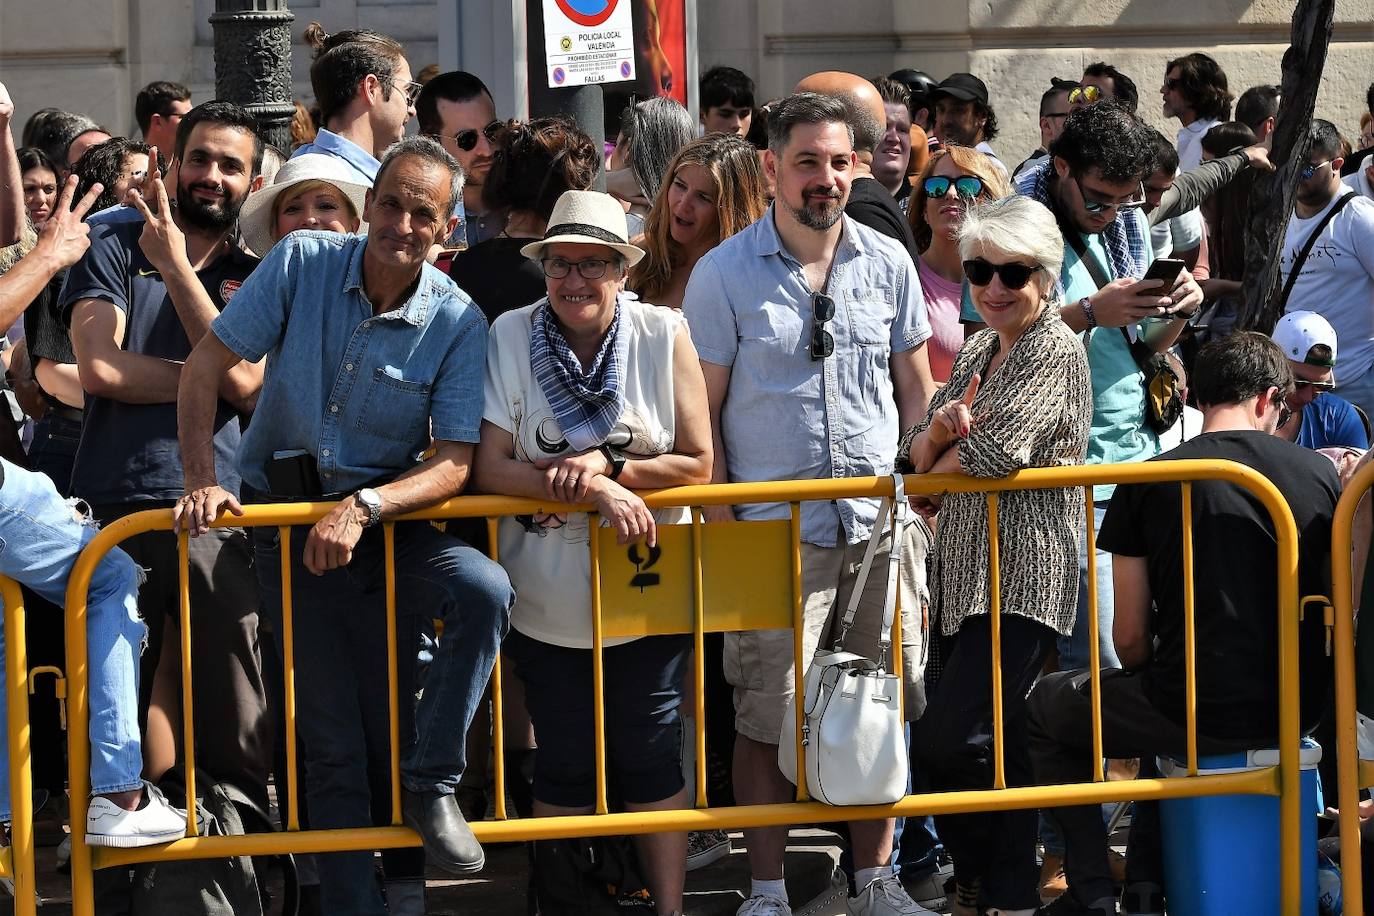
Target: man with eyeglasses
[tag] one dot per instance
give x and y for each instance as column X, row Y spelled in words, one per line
column 1240, row 383
column 1093, row 184
column 1336, row 278
column 811, row 329
column 1320, row 419
column 1101, row 80
column 1194, row 91
column 1054, row 109
column 457, row 109
column 366, row 95
column 158, row 109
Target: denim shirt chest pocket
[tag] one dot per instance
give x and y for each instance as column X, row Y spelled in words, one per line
column 869, row 314
column 395, row 408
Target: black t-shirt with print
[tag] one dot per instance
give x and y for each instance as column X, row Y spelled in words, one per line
column 1235, row 582
column 129, row 452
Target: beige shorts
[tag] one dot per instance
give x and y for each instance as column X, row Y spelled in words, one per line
column 758, row 663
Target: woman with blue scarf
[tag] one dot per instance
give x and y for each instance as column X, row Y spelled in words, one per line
column 590, row 395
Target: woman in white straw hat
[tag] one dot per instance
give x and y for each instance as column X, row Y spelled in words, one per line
column 313, row 191
column 592, row 394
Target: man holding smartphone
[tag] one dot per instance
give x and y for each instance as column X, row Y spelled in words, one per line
column 1093, row 183
column 373, row 356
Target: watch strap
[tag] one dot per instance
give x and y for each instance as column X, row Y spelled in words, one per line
column 615, row 458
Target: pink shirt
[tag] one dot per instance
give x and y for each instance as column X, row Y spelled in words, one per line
column 942, row 309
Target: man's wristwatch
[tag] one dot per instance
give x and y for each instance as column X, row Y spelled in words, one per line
column 616, row 458
column 370, row 500
column 1086, row 305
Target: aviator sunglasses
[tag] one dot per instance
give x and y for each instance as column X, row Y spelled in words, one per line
column 467, row 139
column 966, row 186
column 1014, row 275
column 1084, row 95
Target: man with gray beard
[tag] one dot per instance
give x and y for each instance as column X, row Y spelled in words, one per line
column 811, row 330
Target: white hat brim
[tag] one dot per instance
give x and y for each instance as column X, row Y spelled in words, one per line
column 633, row 254
column 255, row 219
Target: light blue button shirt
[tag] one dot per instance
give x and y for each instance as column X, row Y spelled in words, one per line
column 361, row 392
column 331, row 144
column 787, row 416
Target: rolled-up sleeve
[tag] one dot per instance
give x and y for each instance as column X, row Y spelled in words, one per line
column 254, row 321
column 710, row 316
column 457, row 396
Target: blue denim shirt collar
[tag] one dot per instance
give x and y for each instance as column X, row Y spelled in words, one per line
column 413, row 310
column 350, row 152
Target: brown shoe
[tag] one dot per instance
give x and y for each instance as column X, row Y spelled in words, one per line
column 1052, row 880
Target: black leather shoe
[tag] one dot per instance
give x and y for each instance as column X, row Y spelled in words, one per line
column 449, row 842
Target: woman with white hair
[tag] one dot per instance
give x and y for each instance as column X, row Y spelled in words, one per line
column 1019, row 396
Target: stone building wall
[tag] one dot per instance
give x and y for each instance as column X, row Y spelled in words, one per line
column 93, row 55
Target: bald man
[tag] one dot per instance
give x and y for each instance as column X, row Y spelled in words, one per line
column 869, row 202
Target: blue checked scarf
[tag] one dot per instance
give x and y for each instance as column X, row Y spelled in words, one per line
column 586, row 404
column 1126, row 238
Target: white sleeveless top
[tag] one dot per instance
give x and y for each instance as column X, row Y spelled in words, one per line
column 550, row 568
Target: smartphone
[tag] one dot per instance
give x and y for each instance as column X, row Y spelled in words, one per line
column 1166, row 269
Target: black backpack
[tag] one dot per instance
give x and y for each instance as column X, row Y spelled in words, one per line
column 587, row 876
column 213, row 887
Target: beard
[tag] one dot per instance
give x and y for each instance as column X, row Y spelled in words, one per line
column 217, row 216
column 818, row 214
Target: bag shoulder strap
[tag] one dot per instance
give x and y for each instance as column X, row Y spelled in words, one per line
column 1307, row 248
column 897, row 507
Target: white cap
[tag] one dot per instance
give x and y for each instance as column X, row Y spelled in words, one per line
column 1298, row 332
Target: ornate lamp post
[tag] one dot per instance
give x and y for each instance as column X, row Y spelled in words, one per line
column 253, row 62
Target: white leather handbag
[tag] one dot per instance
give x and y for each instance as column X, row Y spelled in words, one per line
column 852, row 734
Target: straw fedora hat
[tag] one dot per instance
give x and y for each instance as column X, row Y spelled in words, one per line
column 588, row 218
column 255, row 220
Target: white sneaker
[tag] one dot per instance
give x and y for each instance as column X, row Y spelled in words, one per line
column 885, row 896
column 156, row 821
column 764, row 905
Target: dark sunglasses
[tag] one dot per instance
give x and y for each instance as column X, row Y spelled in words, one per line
column 1310, row 169
column 1013, row 275
column 467, row 139
column 1315, row 386
column 1084, row 95
column 822, row 310
column 1097, row 206
column 1172, row 84
column 968, row 187
column 1285, row 412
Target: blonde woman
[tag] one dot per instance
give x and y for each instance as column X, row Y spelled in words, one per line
column 714, row 189
column 311, row 191
column 954, row 179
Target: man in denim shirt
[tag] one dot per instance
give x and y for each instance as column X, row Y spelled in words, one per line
column 371, row 353
column 811, row 330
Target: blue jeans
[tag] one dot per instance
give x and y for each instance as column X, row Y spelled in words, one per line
column 341, row 674
column 1074, row 650
column 40, row 538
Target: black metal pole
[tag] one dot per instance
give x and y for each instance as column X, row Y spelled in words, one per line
column 253, row 63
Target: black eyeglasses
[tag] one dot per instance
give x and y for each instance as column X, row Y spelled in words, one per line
column 1315, row 386
column 1310, row 169
column 822, row 310
column 967, row 187
column 410, row 88
column 1084, row 95
column 589, row 268
column 467, row 139
column 1285, row 414
column 1171, row 84
column 1013, row 275
column 1097, row 206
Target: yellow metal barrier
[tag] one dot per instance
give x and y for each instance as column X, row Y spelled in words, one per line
column 684, row 600
column 16, row 860
column 1352, row 774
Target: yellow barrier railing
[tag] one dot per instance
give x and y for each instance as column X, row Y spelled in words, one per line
column 16, row 860
column 1352, row 774
column 697, row 604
